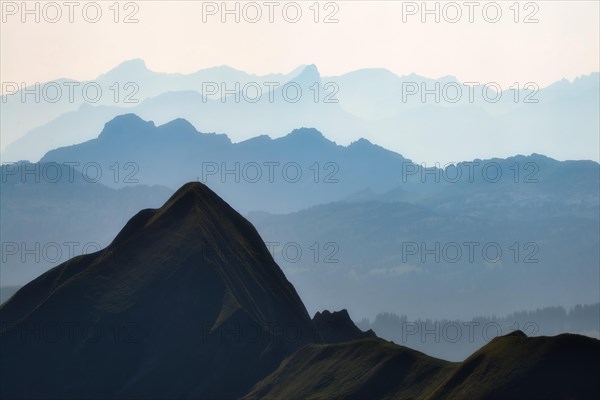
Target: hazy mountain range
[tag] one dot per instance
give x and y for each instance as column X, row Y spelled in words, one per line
column 560, row 120
column 187, row 302
column 366, row 221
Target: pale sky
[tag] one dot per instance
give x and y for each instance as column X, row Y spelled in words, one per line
column 172, row 37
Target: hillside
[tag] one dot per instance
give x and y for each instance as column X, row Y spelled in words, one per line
column 509, row 367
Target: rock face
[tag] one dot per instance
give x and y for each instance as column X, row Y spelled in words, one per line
column 186, row 302
column 336, row 327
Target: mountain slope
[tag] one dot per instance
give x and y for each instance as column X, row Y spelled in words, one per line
column 509, row 367
column 366, row 369
column 185, row 297
column 187, row 302
column 62, row 217
column 514, row 366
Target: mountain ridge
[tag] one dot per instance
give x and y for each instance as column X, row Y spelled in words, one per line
column 348, row 106
column 187, row 302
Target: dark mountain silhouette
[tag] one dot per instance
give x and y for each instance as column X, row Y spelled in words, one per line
column 187, row 302
column 509, row 367
column 207, row 310
column 335, row 327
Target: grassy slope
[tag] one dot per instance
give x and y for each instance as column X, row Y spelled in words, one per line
column 509, row 367
column 370, row 368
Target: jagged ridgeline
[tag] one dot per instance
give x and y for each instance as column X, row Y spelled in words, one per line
column 187, row 302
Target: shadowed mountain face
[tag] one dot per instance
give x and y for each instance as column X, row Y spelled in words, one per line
column 185, row 298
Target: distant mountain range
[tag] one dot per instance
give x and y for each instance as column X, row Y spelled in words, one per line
column 361, row 215
column 279, row 175
column 187, row 302
column 437, row 261
column 560, row 120
column 304, row 169
column 22, row 113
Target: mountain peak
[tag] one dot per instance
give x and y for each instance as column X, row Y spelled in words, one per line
column 192, row 205
column 196, row 190
column 517, row 333
column 306, row 133
column 179, row 125
column 308, row 76
column 199, row 286
column 129, row 69
column 337, row 326
column 311, row 69
column 126, row 124
column 362, row 142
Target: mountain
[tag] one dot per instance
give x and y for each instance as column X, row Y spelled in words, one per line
column 349, row 209
column 560, row 120
column 207, row 99
column 509, row 367
column 187, row 302
column 336, row 327
column 34, row 124
column 185, row 298
column 455, row 339
column 7, row 291
column 365, row 369
column 304, row 168
column 442, row 256
column 279, row 175
column 53, row 212
column 558, row 367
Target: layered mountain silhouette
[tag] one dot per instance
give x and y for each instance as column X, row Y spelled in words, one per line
column 371, row 212
column 374, row 103
column 304, row 168
column 268, row 174
column 187, row 302
column 123, row 87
